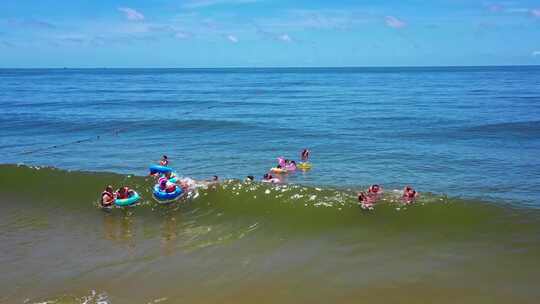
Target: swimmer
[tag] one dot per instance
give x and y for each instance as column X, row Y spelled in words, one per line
column 292, row 164
column 268, row 178
column 305, row 155
column 164, row 161
column 165, row 185
column 409, row 195
column 365, row 201
column 375, row 189
column 374, row 192
column 124, row 192
column 107, row 197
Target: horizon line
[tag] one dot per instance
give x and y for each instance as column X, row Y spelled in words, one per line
column 277, row 67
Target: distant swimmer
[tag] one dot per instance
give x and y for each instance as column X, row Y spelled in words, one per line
column 164, row 161
column 409, row 195
column 365, row 201
column 107, row 197
column 305, row 155
column 124, row 193
column 374, row 193
column 375, row 189
column 166, row 185
column 290, row 165
column 268, row 178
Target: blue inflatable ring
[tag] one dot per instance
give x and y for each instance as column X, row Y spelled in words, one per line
column 164, row 197
column 134, row 198
column 159, row 169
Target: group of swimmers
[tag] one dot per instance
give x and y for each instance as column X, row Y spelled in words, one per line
column 284, row 165
column 108, row 196
column 368, row 198
column 168, row 183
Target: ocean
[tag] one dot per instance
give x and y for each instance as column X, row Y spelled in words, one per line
column 467, row 138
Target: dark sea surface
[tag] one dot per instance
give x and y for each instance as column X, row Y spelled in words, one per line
column 467, row 138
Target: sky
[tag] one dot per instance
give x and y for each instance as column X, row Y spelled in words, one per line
column 267, row 33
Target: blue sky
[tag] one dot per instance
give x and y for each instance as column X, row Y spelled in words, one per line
column 267, row 33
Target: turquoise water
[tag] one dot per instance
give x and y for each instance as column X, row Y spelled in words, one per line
column 470, row 132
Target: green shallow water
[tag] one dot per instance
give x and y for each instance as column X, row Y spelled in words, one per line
column 245, row 243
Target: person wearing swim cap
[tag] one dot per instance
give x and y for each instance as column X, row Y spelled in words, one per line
column 409, row 195
column 305, row 155
column 375, row 189
column 107, row 197
column 164, row 161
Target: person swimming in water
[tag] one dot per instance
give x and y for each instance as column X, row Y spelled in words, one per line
column 374, row 192
column 164, row 161
column 268, row 178
column 375, row 189
column 365, row 201
column 409, row 195
column 305, row 155
column 292, row 165
column 124, row 192
column 165, row 185
column 107, row 197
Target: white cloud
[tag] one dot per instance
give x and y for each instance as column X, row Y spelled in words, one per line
column 232, row 38
column 506, row 7
column 285, row 38
column 131, row 14
column 182, row 35
column 394, row 22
